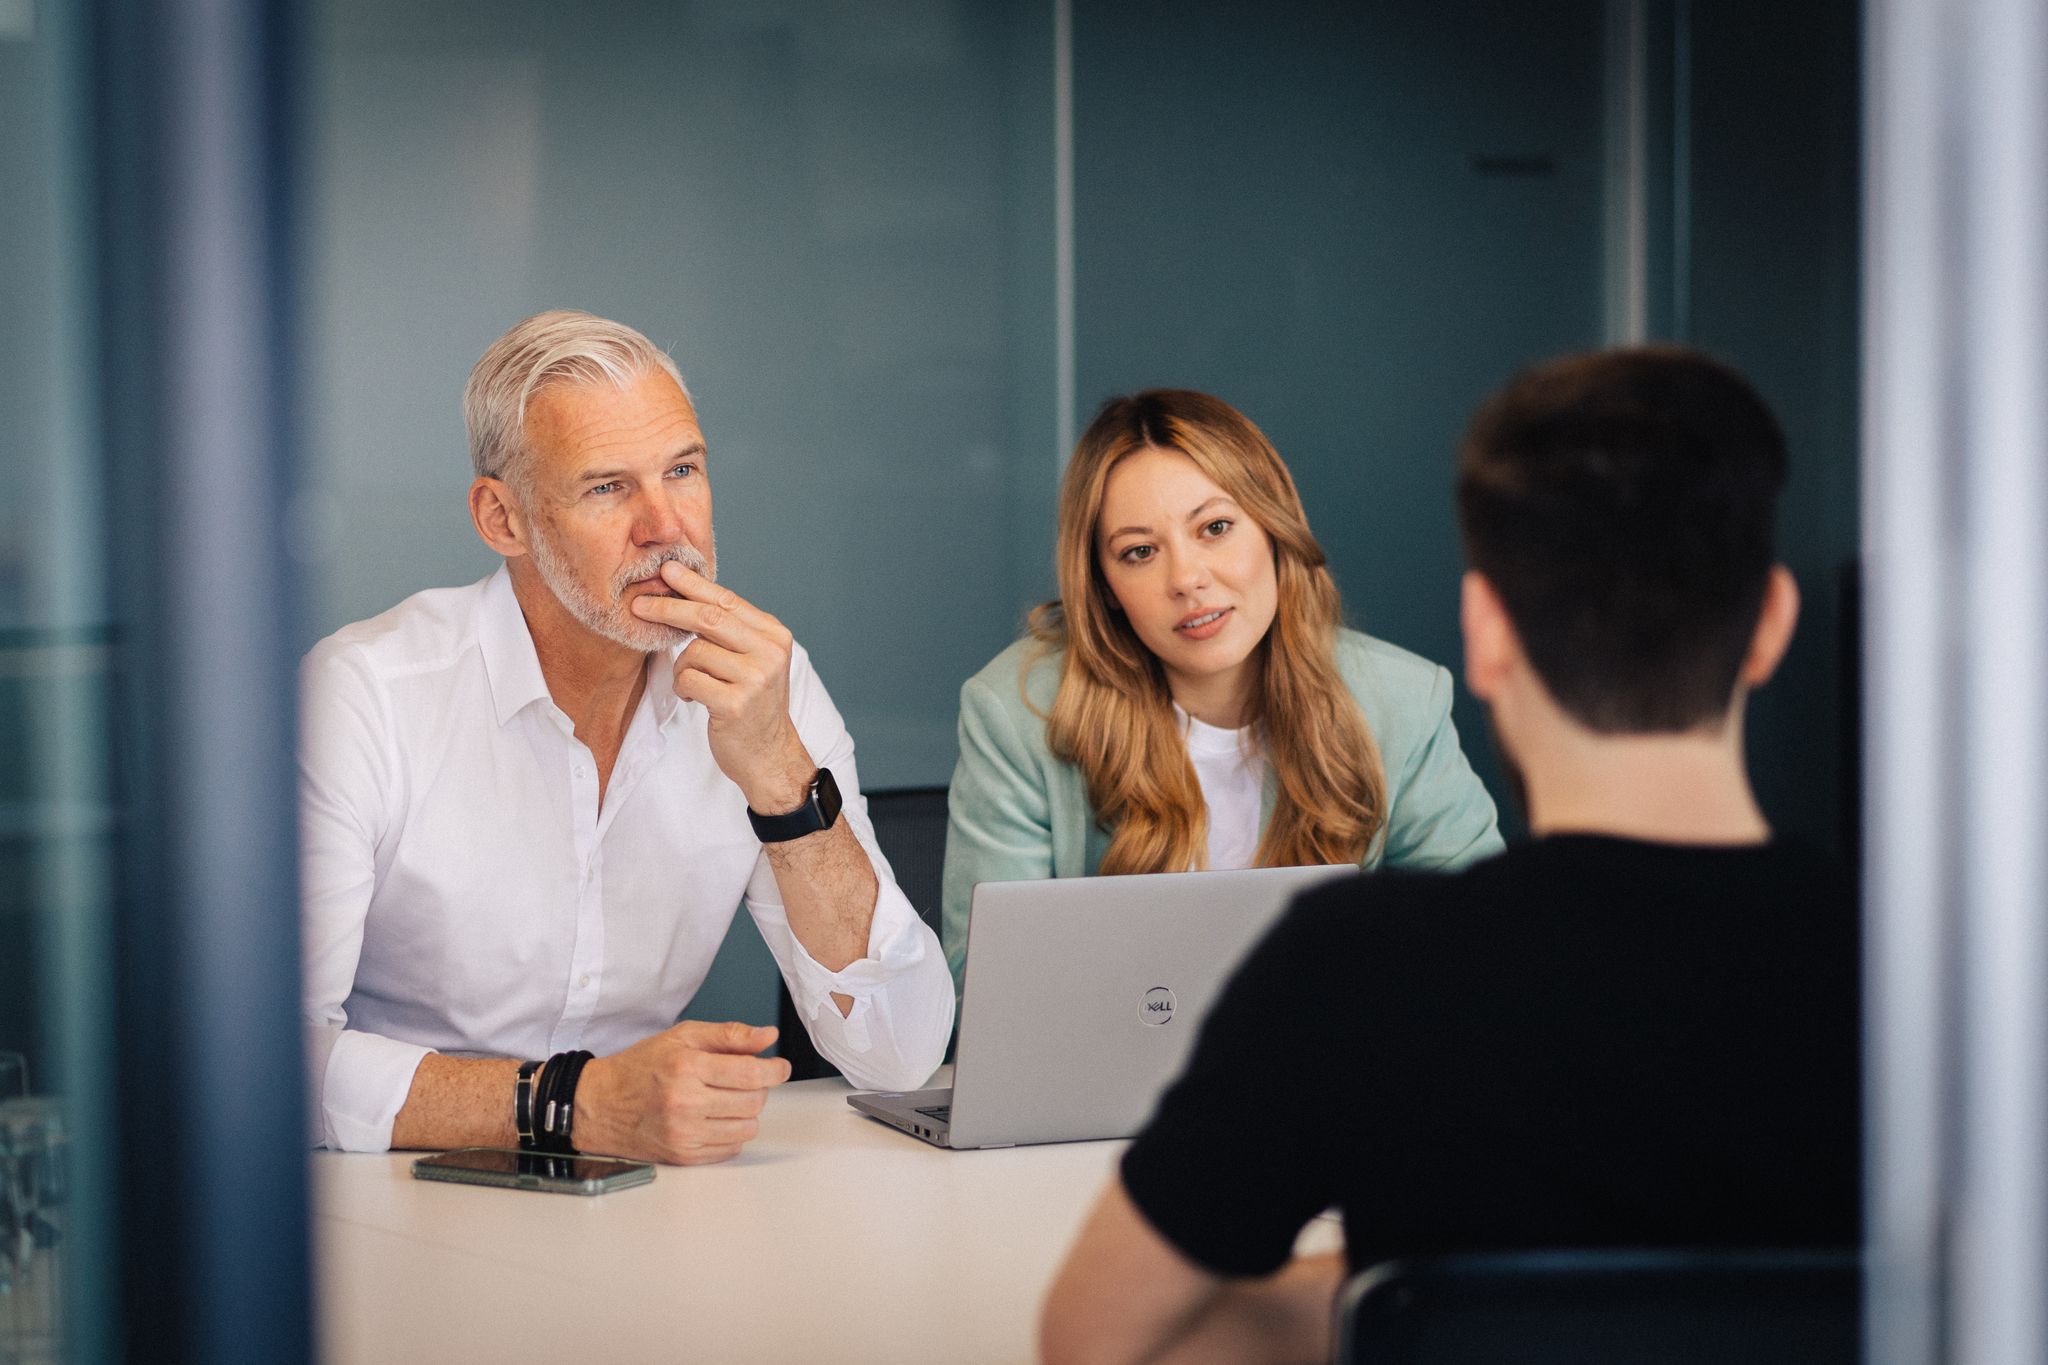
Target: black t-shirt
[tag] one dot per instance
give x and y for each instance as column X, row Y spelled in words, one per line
column 1583, row 1042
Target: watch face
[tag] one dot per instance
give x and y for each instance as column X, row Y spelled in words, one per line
column 816, row 813
column 825, row 797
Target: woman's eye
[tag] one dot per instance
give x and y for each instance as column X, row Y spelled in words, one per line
column 1136, row 554
column 1217, row 527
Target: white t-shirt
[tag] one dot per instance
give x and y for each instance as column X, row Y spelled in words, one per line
column 1231, row 767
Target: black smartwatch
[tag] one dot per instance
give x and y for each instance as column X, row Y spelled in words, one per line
column 819, row 810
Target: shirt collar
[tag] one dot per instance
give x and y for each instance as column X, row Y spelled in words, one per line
column 661, row 685
column 512, row 665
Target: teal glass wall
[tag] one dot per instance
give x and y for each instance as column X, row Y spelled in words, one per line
column 1774, row 178
column 57, row 652
column 839, row 219
column 1352, row 221
column 1355, row 221
column 145, row 720
column 824, row 210
column 843, row 217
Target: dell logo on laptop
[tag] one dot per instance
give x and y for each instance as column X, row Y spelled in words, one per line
column 1157, row 1006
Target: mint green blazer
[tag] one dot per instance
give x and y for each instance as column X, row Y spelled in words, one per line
column 1016, row 812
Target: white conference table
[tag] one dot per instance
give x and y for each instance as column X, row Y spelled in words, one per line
column 830, row 1238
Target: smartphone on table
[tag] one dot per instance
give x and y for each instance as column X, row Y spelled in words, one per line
column 533, row 1170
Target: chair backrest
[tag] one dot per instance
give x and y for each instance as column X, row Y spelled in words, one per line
column 1605, row 1308
column 910, row 825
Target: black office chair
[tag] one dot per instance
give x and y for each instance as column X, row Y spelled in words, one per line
column 910, row 825
column 1605, row 1308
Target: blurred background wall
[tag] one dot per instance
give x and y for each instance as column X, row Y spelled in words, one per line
column 901, row 248
column 845, row 220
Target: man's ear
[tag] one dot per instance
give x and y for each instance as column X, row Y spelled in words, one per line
column 497, row 516
column 1773, row 633
column 1491, row 645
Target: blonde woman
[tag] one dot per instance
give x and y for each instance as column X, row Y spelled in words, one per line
column 1192, row 700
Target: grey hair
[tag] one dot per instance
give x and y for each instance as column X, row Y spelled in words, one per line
column 557, row 347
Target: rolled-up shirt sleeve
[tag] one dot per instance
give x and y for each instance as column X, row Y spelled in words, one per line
column 895, row 1034
column 356, row 1081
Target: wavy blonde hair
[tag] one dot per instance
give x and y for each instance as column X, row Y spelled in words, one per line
column 1113, row 715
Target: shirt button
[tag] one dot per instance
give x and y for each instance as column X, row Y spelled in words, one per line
column 583, row 981
column 579, row 770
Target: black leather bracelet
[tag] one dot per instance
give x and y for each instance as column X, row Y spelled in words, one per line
column 543, row 1083
column 522, row 1104
column 555, row 1103
column 543, row 1088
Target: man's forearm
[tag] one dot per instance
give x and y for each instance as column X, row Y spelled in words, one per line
column 1284, row 1318
column 827, row 884
column 828, row 891
column 458, row 1102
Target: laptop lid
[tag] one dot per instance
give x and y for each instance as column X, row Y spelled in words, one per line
column 1082, row 994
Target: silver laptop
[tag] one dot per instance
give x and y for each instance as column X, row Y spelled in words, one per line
column 1081, row 999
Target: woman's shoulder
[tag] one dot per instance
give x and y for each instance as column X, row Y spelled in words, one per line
column 1398, row 688
column 1370, row 656
column 1022, row 680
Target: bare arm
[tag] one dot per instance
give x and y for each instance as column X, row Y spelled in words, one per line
column 828, row 885
column 829, row 894
column 1283, row 1318
column 1125, row 1295
column 688, row 1095
column 458, row 1102
column 738, row 669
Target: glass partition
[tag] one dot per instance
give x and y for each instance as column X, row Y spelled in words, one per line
column 845, row 219
column 147, row 947
column 837, row 216
column 892, row 247
column 58, row 647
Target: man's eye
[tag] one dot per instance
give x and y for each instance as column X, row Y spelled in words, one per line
column 683, row 470
column 604, row 488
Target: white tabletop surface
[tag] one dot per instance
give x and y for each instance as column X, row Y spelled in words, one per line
column 830, row 1238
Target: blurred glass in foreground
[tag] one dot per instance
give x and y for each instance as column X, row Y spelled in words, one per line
column 33, row 1184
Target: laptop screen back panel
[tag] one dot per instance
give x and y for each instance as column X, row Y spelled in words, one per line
column 1083, row 995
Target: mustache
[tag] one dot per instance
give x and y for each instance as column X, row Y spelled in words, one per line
column 686, row 555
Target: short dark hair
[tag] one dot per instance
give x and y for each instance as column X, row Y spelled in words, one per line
column 1622, row 505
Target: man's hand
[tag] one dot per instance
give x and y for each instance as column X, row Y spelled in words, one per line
column 688, row 1096
column 1126, row 1294
column 738, row 667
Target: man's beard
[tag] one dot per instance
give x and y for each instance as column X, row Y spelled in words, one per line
column 610, row 617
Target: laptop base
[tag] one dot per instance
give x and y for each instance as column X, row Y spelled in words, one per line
column 906, row 1109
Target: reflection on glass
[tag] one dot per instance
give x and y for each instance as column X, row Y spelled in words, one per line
column 57, row 662
column 33, row 1173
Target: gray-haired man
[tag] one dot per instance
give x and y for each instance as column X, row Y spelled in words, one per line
column 531, row 806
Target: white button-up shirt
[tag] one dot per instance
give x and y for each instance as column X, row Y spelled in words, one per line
column 465, row 893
